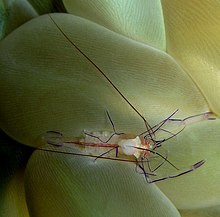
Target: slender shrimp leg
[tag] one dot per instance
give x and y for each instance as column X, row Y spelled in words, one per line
column 193, row 167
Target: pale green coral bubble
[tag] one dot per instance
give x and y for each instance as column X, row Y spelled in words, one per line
column 200, row 188
column 13, row 202
column 13, row 161
column 48, row 6
column 213, row 211
column 46, row 84
column 192, row 32
column 66, row 185
column 13, row 14
column 139, row 20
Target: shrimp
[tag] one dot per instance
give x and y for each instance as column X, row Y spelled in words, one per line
column 138, row 149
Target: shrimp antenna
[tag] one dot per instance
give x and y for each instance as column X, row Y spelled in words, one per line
column 158, row 126
column 149, row 128
column 84, row 155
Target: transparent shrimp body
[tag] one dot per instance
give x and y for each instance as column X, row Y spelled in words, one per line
column 103, row 143
column 140, row 149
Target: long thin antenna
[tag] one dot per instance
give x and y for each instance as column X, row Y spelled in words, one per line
column 105, row 76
